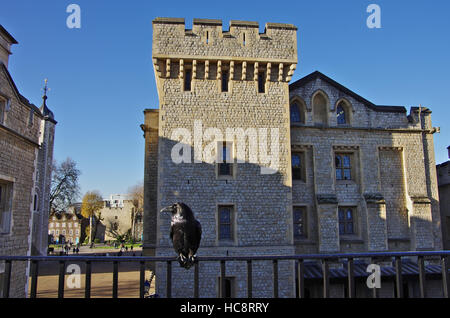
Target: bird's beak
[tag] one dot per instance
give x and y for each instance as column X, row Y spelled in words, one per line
column 167, row 209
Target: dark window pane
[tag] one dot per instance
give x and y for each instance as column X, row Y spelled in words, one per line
column 347, row 174
column 341, row 215
column 296, row 161
column 341, row 115
column 297, row 174
column 261, row 83
column 341, row 228
column 224, row 81
column 225, row 232
column 346, row 161
column 295, row 113
column 338, row 174
column 349, row 228
column 349, row 214
column 225, row 169
column 225, row 215
column 187, row 80
column 337, row 161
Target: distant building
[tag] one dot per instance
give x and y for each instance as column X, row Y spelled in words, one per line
column 26, row 154
column 65, row 228
column 443, row 174
column 119, row 217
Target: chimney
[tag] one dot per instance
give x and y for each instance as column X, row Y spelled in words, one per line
column 6, row 40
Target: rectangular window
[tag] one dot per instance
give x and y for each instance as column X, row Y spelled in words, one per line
column 229, row 287
column 346, row 220
column 225, row 161
column 187, row 80
column 261, row 82
column 5, row 206
column 299, row 222
column 343, row 164
column 226, row 222
column 225, row 81
column 298, row 166
column 30, row 119
column 2, row 110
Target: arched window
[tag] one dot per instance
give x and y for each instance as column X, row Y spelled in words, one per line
column 341, row 113
column 320, row 109
column 295, row 113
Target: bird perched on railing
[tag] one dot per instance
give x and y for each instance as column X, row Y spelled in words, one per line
column 185, row 233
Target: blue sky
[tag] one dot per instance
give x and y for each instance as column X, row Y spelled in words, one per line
column 101, row 76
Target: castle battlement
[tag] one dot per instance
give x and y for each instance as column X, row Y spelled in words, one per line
column 208, row 47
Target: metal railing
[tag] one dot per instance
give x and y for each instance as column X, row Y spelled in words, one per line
column 324, row 259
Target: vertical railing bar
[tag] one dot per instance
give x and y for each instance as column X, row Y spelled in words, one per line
column 445, row 278
column 196, row 283
column 34, row 278
column 326, row 279
column 422, row 278
column 275, row 278
column 249, row 279
column 7, row 279
column 142, row 279
column 169, row 279
column 62, row 269
column 398, row 276
column 87, row 290
column 351, row 278
column 301, row 278
column 222, row 279
column 115, row 278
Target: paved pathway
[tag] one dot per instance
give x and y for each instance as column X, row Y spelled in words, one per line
column 101, row 277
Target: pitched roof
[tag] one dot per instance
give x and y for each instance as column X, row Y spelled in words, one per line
column 315, row 75
column 22, row 99
column 8, row 36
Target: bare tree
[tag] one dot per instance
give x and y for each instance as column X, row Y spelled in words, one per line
column 65, row 189
column 136, row 194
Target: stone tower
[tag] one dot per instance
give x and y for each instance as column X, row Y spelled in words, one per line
column 222, row 84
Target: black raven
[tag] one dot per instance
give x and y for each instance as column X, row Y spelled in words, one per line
column 185, row 233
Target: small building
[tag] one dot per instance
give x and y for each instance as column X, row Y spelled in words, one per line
column 443, row 175
column 65, row 228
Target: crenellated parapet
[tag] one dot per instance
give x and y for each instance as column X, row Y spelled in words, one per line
column 207, row 50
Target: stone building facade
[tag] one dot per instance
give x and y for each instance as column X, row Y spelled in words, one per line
column 65, row 228
column 350, row 176
column 26, row 150
column 443, row 172
column 117, row 219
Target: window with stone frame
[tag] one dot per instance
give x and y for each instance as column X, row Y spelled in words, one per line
column 347, row 220
column 5, row 206
column 298, row 166
column 226, row 220
column 261, row 82
column 187, row 80
column 296, row 113
column 343, row 166
column 2, row 110
column 341, row 114
column 299, row 222
column 225, row 80
column 225, row 159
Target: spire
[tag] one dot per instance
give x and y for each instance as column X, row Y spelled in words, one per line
column 45, row 89
column 44, row 109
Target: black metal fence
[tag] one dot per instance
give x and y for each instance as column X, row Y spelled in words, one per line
column 324, row 259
